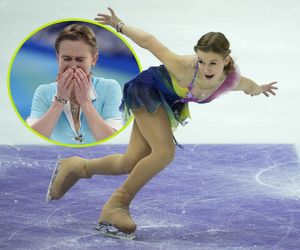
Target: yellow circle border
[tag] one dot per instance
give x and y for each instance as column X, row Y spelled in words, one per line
column 13, row 59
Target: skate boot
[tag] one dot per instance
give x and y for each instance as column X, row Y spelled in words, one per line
column 66, row 173
column 115, row 220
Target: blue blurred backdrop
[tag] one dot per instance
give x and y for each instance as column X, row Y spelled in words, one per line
column 36, row 63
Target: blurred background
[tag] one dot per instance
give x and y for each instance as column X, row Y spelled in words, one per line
column 36, row 62
column 264, row 42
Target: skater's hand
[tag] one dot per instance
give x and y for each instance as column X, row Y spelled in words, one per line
column 111, row 19
column 266, row 89
column 82, row 85
column 64, row 84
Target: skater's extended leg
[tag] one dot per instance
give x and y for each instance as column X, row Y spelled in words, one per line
column 74, row 168
column 156, row 130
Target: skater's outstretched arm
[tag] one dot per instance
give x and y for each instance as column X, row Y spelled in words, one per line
column 173, row 62
column 251, row 88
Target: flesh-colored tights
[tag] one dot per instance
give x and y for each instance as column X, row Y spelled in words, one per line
column 150, row 149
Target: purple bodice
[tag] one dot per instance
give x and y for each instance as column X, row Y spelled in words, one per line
column 229, row 83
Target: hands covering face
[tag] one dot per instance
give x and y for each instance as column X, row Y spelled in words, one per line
column 74, row 80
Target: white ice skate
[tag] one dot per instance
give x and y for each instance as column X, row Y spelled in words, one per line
column 111, row 231
column 55, row 171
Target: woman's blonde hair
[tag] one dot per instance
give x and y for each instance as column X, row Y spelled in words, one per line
column 77, row 32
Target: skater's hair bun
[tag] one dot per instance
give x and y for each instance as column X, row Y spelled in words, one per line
column 77, row 32
column 216, row 42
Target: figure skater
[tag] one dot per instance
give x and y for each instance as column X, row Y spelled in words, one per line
column 158, row 98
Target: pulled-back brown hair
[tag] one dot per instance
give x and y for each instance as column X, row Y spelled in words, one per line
column 77, row 32
column 216, row 42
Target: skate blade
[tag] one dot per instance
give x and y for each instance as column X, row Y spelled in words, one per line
column 55, row 171
column 111, row 231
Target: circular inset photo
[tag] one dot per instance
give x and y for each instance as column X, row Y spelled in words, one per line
column 65, row 82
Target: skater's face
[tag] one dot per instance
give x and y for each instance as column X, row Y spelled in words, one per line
column 211, row 65
column 75, row 54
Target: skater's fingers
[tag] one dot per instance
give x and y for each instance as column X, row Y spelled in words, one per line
column 111, row 11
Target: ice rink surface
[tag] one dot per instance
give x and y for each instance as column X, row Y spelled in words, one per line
column 210, row 197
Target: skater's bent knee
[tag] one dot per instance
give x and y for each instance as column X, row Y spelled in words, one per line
column 128, row 163
column 165, row 154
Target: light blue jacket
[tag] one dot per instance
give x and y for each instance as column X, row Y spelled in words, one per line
column 106, row 97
